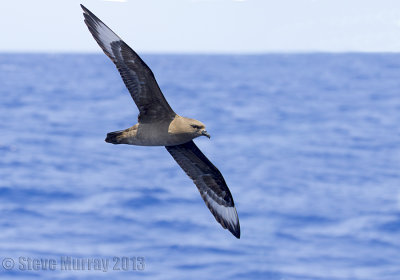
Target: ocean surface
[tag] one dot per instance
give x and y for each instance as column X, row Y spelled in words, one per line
column 309, row 145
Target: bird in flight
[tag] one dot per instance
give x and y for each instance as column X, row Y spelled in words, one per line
column 159, row 125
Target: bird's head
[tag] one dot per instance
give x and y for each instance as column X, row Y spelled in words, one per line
column 190, row 127
column 198, row 128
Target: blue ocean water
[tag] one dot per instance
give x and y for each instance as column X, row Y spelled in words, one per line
column 309, row 145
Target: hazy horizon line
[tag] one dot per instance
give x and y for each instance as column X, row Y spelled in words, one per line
column 204, row 53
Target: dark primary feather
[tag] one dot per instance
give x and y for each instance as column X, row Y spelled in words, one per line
column 137, row 76
column 210, row 183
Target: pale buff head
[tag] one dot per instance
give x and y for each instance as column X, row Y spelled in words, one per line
column 192, row 127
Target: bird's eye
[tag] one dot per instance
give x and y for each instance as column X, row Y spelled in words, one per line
column 195, row 126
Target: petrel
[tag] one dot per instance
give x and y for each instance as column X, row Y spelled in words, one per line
column 159, row 125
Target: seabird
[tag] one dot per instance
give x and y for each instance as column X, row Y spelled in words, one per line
column 159, row 125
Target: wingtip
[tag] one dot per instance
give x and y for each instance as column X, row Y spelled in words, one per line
column 236, row 234
column 235, row 231
column 86, row 10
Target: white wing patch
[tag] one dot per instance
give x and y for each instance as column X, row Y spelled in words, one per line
column 228, row 214
column 225, row 214
column 105, row 36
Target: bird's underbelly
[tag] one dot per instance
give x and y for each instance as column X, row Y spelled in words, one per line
column 155, row 135
column 169, row 140
column 156, row 142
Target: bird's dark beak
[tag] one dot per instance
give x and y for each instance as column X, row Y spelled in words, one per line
column 204, row 133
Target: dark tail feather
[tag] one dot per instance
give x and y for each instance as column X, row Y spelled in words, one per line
column 114, row 137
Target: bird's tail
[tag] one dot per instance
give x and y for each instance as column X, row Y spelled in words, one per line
column 115, row 137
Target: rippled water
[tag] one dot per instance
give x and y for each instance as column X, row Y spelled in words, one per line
column 308, row 144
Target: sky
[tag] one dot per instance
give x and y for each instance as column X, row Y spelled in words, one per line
column 205, row 26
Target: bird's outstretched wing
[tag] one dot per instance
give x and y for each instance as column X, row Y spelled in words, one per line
column 210, row 183
column 137, row 76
